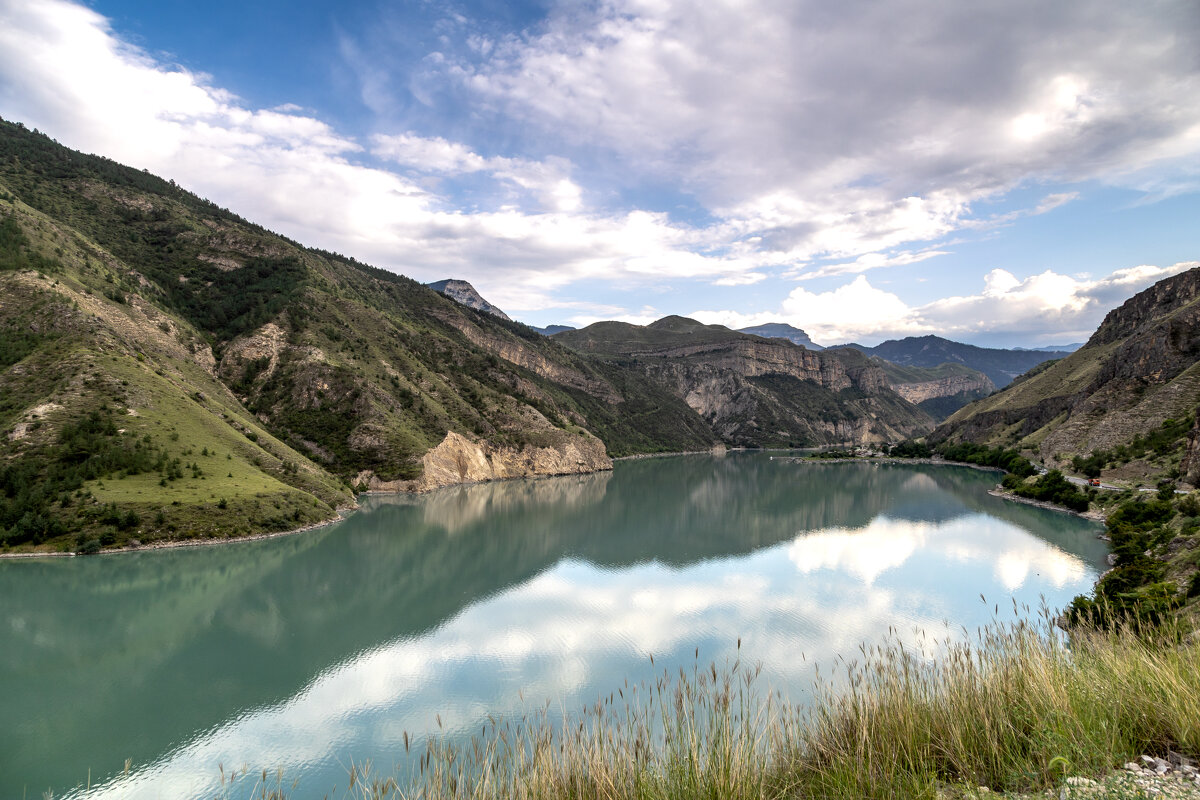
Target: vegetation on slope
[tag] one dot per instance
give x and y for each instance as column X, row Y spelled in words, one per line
column 207, row 333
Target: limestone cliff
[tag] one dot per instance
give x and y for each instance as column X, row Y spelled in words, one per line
column 459, row 460
column 514, row 351
column 464, row 293
column 760, row 392
column 944, row 387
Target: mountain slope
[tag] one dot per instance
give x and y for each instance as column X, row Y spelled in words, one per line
column 755, row 391
column 1001, row 366
column 158, row 310
column 938, row 391
column 1128, row 395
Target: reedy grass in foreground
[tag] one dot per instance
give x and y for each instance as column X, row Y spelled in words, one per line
column 1014, row 709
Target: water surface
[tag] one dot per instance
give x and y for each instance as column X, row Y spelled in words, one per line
column 309, row 651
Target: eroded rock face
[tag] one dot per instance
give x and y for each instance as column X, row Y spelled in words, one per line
column 1190, row 466
column 458, row 460
column 944, row 387
column 516, row 353
column 464, row 293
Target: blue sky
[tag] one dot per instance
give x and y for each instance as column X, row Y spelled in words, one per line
column 996, row 172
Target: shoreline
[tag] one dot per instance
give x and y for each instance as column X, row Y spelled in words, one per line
column 935, row 462
column 709, row 452
column 344, row 511
column 172, row 544
column 1094, row 516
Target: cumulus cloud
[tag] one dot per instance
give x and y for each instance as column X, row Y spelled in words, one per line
column 1038, row 309
column 842, row 131
column 798, row 149
column 548, row 180
column 63, row 69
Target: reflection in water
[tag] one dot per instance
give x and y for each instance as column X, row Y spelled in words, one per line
column 307, row 651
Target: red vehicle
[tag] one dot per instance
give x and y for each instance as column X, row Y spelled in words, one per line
column 1094, row 482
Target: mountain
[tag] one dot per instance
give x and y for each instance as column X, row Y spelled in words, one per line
column 938, row 391
column 550, row 330
column 1125, row 401
column 1052, row 348
column 463, row 292
column 754, row 391
column 1001, row 366
column 170, row 370
column 780, row 330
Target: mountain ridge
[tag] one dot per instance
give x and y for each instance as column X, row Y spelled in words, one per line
column 1001, row 366
column 1136, row 378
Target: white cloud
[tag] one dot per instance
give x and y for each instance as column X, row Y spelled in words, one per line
column 850, row 130
column 546, row 180
column 798, row 148
column 62, row 69
column 572, row 632
column 1039, row 308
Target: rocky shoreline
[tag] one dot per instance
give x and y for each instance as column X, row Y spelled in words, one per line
column 1173, row 778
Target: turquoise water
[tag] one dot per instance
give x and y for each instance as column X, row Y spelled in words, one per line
column 310, row 651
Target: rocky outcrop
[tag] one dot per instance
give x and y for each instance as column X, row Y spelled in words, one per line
column 464, row 293
column 944, row 387
column 514, row 352
column 781, row 330
column 1190, row 466
column 459, row 460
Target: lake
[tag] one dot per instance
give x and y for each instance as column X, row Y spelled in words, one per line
column 420, row 614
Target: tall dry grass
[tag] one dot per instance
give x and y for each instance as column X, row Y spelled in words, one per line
column 1015, row 708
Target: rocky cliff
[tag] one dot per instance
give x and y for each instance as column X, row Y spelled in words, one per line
column 464, row 293
column 756, row 391
column 920, row 391
column 460, row 460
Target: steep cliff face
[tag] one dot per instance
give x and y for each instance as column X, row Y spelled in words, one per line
column 755, row 391
column 459, row 460
column 944, row 387
column 464, row 293
column 516, row 352
column 780, row 330
column 1140, row 369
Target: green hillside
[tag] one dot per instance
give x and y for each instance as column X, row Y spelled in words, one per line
column 230, row 381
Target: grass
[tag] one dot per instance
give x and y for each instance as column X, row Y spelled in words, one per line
column 1016, row 709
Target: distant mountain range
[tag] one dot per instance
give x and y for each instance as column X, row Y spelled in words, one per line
column 758, row 391
column 550, row 330
column 1001, row 366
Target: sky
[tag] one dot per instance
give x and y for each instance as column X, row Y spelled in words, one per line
column 1000, row 172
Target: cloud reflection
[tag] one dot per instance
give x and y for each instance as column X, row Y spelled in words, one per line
column 567, row 633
